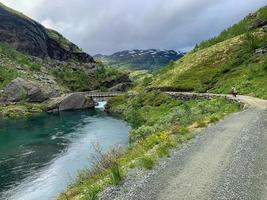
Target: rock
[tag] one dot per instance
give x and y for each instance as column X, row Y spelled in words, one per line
column 21, row 89
column 121, row 87
column 261, row 51
column 265, row 28
column 73, row 101
column 258, row 23
column 123, row 78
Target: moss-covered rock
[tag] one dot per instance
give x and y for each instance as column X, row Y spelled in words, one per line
column 21, row 110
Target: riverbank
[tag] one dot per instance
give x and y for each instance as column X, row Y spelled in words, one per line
column 160, row 123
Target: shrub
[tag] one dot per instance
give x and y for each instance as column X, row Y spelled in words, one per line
column 7, row 75
column 213, row 119
column 147, row 80
column 163, row 150
column 201, row 124
column 141, row 132
column 146, row 162
column 136, row 118
column 184, row 130
column 251, row 42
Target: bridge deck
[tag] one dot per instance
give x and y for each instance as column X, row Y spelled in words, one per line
column 104, row 94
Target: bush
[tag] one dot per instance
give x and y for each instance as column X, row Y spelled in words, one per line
column 251, row 42
column 7, row 75
column 183, row 131
column 146, row 162
column 141, row 132
column 164, row 150
column 201, row 124
column 136, row 118
column 214, row 119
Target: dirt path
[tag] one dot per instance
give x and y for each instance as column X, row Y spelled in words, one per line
column 247, row 100
column 251, row 101
column 228, row 161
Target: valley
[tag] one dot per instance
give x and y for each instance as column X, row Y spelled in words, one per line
column 135, row 124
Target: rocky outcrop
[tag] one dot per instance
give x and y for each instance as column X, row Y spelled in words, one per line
column 121, row 87
column 258, row 23
column 21, row 89
column 73, row 101
column 123, row 78
column 265, row 28
column 30, row 37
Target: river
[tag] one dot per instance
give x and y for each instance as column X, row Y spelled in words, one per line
column 41, row 156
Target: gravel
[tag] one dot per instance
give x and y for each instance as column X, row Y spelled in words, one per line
column 228, row 160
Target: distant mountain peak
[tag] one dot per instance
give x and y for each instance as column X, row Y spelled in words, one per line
column 151, row 59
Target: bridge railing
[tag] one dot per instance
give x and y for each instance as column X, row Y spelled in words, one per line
column 104, row 94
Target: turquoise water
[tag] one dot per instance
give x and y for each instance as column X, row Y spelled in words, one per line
column 41, row 156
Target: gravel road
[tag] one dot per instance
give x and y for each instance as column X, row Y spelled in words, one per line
column 226, row 161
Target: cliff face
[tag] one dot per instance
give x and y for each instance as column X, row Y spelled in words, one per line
column 30, row 37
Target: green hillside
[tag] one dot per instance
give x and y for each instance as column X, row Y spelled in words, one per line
column 225, row 61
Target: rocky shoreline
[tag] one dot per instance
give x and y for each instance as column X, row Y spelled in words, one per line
column 22, row 98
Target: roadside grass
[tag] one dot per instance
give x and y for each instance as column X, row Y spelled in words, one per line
column 146, row 162
column 165, row 123
column 116, row 175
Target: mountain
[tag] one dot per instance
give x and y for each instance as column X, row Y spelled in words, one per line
column 39, row 64
column 151, row 59
column 237, row 57
column 30, row 37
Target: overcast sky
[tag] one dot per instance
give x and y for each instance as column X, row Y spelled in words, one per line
column 106, row 26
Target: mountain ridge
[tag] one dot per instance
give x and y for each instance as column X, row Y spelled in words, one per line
column 30, row 37
column 151, row 59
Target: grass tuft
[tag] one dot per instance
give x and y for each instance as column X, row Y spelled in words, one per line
column 116, row 175
column 146, row 162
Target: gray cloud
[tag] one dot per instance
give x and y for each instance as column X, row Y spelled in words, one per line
column 106, row 26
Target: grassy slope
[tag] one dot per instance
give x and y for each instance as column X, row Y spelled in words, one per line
column 218, row 64
column 64, row 43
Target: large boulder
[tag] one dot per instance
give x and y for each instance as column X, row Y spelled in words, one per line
column 21, row 89
column 73, row 101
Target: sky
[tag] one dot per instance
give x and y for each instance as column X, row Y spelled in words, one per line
column 107, row 26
